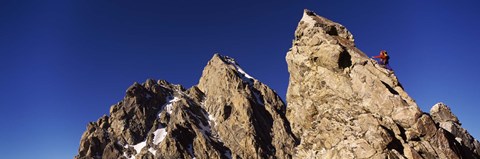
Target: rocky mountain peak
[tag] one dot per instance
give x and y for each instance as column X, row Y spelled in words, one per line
column 442, row 113
column 311, row 20
column 341, row 104
column 229, row 114
column 232, row 97
column 227, row 67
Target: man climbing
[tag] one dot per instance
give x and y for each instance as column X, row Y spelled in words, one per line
column 384, row 59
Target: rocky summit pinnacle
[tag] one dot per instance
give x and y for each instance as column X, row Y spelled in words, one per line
column 341, row 104
column 229, row 114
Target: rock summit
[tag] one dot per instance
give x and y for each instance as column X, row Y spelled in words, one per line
column 340, row 104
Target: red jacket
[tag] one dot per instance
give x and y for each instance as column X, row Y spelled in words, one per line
column 381, row 56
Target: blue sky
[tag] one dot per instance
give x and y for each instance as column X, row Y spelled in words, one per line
column 64, row 63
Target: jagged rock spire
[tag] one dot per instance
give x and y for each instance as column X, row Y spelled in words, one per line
column 232, row 97
column 341, row 104
column 228, row 115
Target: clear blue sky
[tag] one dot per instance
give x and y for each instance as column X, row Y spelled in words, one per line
column 64, row 63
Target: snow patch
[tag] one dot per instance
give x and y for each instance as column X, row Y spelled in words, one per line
column 125, row 155
column 153, row 151
column 138, row 147
column 211, row 124
column 159, row 135
column 245, row 77
column 458, row 139
column 205, row 128
column 240, row 70
column 168, row 106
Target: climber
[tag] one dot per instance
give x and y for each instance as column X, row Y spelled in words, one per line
column 384, row 59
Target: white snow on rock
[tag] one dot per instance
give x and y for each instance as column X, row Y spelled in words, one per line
column 138, row 147
column 245, row 77
column 211, row 118
column 240, row 70
column 153, row 151
column 159, row 135
column 125, row 155
column 458, row 139
column 168, row 106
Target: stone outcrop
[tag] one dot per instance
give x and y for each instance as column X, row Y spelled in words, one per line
column 249, row 116
column 341, row 104
column 228, row 115
column 446, row 120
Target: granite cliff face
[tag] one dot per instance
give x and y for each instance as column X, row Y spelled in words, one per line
column 229, row 114
column 341, row 104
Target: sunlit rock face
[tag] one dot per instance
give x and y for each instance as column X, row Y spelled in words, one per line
column 340, row 104
column 229, row 114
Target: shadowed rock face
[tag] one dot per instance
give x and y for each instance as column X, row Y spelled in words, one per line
column 341, row 104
